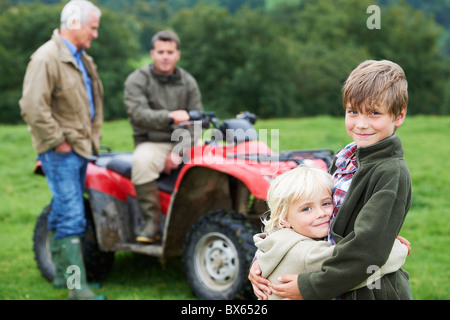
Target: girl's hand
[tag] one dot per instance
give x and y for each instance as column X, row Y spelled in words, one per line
column 406, row 243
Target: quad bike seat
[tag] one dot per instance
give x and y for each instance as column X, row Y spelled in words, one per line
column 121, row 164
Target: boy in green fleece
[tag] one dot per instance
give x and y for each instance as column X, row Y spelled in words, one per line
column 373, row 178
column 301, row 206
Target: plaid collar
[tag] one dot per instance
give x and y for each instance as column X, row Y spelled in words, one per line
column 346, row 167
column 346, row 159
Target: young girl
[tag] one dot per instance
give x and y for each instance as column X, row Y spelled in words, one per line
column 301, row 205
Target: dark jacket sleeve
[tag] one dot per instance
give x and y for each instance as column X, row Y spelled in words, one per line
column 139, row 112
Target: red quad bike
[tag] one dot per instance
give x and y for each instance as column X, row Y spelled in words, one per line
column 212, row 206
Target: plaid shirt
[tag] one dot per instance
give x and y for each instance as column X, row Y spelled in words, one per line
column 346, row 167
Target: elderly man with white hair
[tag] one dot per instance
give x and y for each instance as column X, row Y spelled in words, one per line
column 62, row 103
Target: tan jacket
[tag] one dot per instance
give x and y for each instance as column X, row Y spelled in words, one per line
column 54, row 102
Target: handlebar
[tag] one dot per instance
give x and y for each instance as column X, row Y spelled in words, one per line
column 209, row 117
column 232, row 131
column 205, row 117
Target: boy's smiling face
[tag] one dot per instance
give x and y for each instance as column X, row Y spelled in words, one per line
column 369, row 126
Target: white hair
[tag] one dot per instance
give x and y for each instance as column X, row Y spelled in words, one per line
column 299, row 183
column 77, row 13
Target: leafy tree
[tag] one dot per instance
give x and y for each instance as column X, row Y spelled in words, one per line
column 116, row 46
column 231, row 5
column 294, row 60
column 236, row 66
column 323, row 38
column 152, row 17
column 24, row 28
column 274, row 57
column 411, row 39
column 331, row 38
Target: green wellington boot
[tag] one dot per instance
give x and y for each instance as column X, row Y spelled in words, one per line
column 72, row 260
column 59, row 281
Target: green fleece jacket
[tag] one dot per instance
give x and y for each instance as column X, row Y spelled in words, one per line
column 365, row 228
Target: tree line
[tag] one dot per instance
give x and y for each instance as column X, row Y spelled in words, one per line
column 276, row 58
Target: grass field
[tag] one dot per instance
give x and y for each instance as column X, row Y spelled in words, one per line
column 135, row 277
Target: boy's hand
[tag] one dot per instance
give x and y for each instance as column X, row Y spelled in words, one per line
column 288, row 289
column 406, row 243
column 260, row 285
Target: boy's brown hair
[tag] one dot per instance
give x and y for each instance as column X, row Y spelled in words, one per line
column 377, row 83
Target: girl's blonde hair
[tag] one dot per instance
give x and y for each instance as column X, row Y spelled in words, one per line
column 299, row 183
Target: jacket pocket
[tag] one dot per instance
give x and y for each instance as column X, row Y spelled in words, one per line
column 69, row 100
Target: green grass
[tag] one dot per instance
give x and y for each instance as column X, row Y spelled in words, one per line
column 23, row 196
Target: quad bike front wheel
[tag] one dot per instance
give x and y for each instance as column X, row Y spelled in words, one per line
column 219, row 251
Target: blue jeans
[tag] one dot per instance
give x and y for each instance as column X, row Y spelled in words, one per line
column 66, row 175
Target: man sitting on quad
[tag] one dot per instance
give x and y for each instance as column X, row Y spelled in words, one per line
column 158, row 97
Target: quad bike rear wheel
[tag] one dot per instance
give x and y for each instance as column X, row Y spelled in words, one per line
column 219, row 250
column 97, row 263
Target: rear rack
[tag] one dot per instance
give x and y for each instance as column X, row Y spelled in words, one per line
column 297, row 156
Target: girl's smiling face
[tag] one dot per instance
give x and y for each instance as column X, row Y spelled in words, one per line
column 311, row 218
